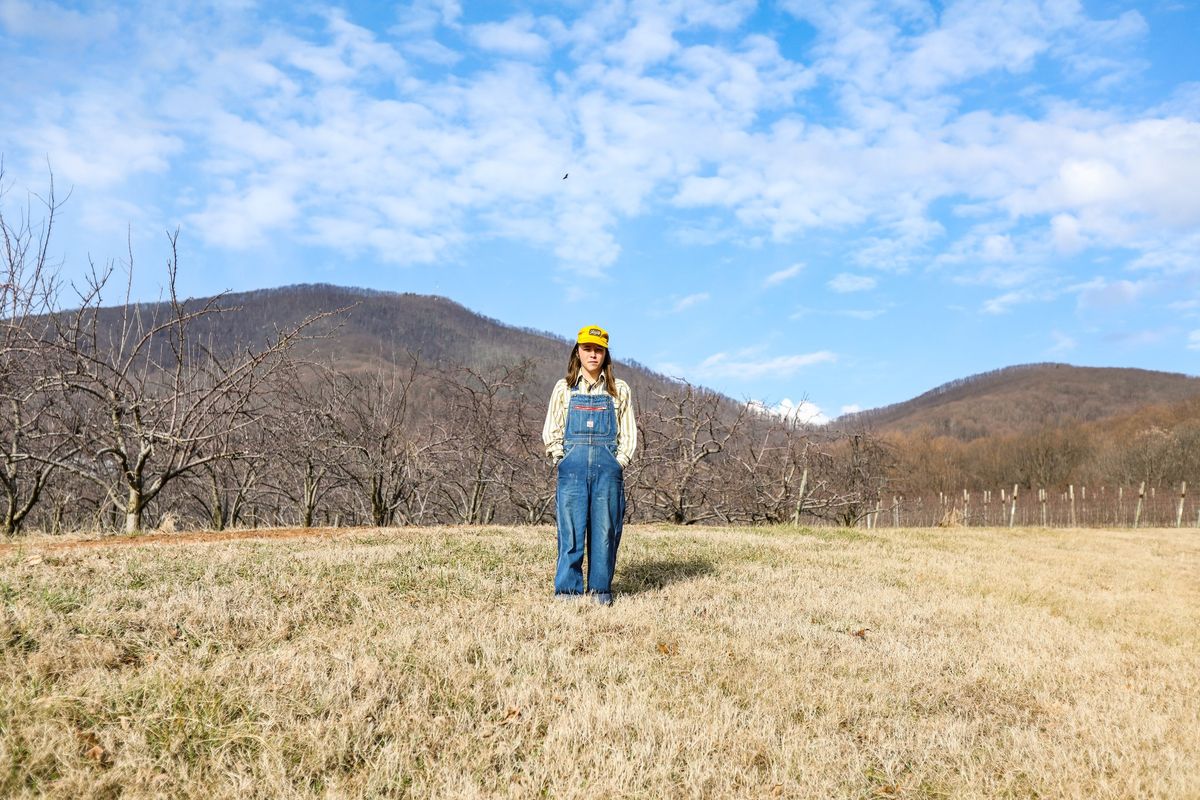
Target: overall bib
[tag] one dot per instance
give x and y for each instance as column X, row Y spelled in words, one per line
column 590, row 497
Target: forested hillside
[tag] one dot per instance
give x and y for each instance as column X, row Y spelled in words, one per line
column 371, row 328
column 1028, row 397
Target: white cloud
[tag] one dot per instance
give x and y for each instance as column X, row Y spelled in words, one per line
column 853, row 408
column 48, row 20
column 997, row 248
column 1193, row 340
column 690, row 300
column 1101, row 293
column 100, row 142
column 1065, row 232
column 247, row 219
column 721, row 365
column 1170, row 255
column 648, row 107
column 862, row 313
column 1004, row 303
column 1138, row 338
column 845, row 282
column 649, row 41
column 512, row 37
column 778, row 277
column 804, row 412
column 1061, row 343
column 851, row 313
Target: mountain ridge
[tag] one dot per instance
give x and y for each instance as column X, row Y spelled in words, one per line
column 378, row 327
column 1023, row 396
column 382, row 326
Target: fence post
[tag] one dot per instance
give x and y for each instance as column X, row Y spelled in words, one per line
column 1071, row 495
column 1182, row 497
column 1042, row 500
column 1012, row 514
column 1137, row 514
column 800, row 497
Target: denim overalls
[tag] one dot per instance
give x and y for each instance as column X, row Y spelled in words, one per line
column 590, row 497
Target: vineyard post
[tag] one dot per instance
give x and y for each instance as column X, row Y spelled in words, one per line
column 1012, row 514
column 800, row 497
column 1182, row 497
column 1071, row 495
column 966, row 507
column 1137, row 514
column 1042, row 500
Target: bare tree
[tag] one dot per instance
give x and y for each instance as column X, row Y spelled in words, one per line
column 223, row 488
column 304, row 458
column 28, row 284
column 529, row 475
column 769, row 469
column 374, row 433
column 480, row 415
column 1049, row 456
column 850, row 474
column 684, row 435
column 148, row 399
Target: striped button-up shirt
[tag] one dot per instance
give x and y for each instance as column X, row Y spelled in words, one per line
column 556, row 417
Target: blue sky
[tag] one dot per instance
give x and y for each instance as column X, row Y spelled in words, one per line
column 841, row 203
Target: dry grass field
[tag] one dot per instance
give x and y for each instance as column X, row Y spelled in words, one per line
column 736, row 663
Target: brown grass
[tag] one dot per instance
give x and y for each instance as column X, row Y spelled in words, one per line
column 736, row 663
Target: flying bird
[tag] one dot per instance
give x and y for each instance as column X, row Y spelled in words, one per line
column 565, row 174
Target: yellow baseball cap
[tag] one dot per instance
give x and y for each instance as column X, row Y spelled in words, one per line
column 592, row 334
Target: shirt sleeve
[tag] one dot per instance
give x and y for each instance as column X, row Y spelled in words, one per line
column 556, row 420
column 626, row 425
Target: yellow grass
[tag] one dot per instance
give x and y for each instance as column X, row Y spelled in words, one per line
column 735, row 663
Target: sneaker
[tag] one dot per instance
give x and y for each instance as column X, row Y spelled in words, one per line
column 604, row 598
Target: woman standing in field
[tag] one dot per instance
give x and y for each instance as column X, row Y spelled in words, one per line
column 591, row 435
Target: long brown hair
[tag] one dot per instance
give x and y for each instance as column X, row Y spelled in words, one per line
column 575, row 366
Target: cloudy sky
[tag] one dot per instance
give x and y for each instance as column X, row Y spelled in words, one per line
column 846, row 203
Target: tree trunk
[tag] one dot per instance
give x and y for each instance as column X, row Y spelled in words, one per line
column 217, row 517
column 378, row 506
column 310, row 498
column 133, row 510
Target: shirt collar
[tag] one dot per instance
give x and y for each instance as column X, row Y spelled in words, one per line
column 583, row 381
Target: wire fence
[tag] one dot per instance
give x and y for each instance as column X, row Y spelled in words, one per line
column 1075, row 506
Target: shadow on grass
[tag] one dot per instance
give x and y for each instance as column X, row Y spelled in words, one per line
column 646, row 576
